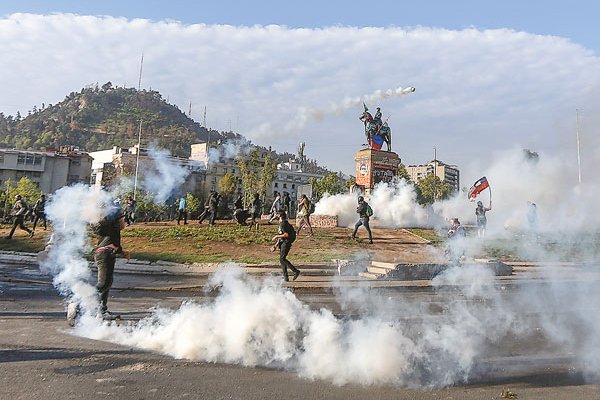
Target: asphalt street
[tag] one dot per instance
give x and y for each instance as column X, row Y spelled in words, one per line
column 41, row 358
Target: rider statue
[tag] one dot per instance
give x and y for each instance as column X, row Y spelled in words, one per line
column 376, row 131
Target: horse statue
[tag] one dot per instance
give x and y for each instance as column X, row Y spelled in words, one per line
column 377, row 133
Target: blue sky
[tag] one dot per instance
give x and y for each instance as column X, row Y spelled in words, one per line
column 576, row 20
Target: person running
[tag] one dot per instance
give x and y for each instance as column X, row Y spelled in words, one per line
column 256, row 211
column 39, row 211
column 304, row 209
column 287, row 202
column 481, row 218
column 182, row 210
column 109, row 245
column 130, row 206
column 365, row 212
column 213, row 206
column 286, row 235
column 455, row 248
column 19, row 212
column 206, row 208
column 275, row 207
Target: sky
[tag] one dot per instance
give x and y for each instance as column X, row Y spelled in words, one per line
column 488, row 75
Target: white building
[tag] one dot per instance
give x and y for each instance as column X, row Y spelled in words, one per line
column 290, row 176
column 49, row 170
column 446, row 173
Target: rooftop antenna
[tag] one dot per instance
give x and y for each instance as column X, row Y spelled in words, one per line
column 137, row 158
column 190, row 111
column 204, row 120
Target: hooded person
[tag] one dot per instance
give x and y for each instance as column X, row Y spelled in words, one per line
column 365, row 212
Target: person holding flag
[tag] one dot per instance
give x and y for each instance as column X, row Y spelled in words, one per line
column 480, row 211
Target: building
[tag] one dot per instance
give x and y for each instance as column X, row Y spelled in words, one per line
column 447, row 173
column 290, row 177
column 49, row 169
column 110, row 165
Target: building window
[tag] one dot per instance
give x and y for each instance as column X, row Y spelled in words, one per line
column 225, row 170
column 276, row 184
column 37, row 160
column 21, row 159
column 75, row 162
column 1, row 158
column 293, row 186
column 285, row 185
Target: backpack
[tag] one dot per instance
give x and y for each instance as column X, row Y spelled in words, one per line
column 369, row 211
column 311, row 208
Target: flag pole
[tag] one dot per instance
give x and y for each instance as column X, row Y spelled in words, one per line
column 490, row 189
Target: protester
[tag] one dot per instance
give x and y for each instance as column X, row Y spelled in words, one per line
column 286, row 235
column 287, row 201
column 256, row 211
column 365, row 212
column 304, row 211
column 130, row 207
column 109, row 245
column 182, row 210
column 481, row 218
column 455, row 249
column 275, row 207
column 19, row 212
column 213, row 206
column 39, row 211
column 206, row 211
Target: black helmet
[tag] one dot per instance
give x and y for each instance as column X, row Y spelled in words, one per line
column 361, row 199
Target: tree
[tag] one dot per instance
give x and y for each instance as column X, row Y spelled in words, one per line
column 227, row 186
column 330, row 183
column 267, row 174
column 25, row 187
column 403, row 173
column 193, row 203
column 249, row 168
column 431, row 188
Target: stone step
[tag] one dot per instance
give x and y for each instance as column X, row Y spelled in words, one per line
column 369, row 275
column 377, row 270
column 382, row 264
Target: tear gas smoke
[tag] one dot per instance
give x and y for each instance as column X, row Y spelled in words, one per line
column 163, row 176
column 399, row 342
column 394, row 205
column 228, row 150
column 307, row 114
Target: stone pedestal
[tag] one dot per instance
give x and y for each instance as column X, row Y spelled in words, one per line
column 374, row 166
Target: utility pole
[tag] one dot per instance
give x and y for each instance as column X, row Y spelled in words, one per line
column 139, row 145
column 434, row 173
column 578, row 146
column 190, row 111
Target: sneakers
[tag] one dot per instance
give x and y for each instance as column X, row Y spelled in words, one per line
column 296, row 275
column 72, row 313
column 107, row 316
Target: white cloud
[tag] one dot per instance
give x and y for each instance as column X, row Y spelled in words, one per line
column 476, row 90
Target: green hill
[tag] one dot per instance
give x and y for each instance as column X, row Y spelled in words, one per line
column 98, row 118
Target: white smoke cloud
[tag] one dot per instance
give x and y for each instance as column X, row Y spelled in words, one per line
column 228, row 150
column 472, row 85
column 164, row 175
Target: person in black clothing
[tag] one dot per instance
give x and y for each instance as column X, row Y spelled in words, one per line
column 39, row 211
column 239, row 203
column 286, row 236
column 109, row 245
column 256, row 211
column 206, row 212
column 364, row 212
column 19, row 211
column 287, row 201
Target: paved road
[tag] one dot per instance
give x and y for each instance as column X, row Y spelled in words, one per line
column 39, row 358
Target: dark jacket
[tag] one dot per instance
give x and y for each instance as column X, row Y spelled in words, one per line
column 362, row 209
column 109, row 231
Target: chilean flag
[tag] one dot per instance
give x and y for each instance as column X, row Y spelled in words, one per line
column 376, row 142
column 478, row 187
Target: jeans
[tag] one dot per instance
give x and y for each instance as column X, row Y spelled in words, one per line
column 365, row 223
column 105, row 262
column 285, row 263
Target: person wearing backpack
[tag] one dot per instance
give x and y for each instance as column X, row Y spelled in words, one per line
column 285, row 237
column 365, row 212
column 19, row 212
column 305, row 209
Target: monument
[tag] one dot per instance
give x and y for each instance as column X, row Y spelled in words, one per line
column 373, row 164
